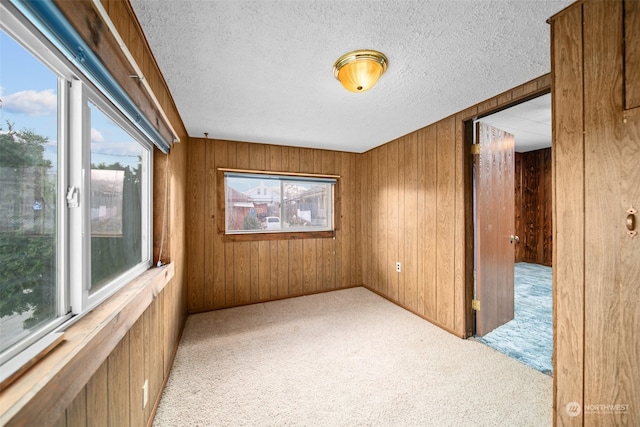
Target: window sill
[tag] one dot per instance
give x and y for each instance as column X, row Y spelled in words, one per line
column 51, row 384
column 254, row 237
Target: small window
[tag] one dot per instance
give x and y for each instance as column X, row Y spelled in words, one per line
column 267, row 203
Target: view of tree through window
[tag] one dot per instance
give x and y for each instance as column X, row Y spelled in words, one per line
column 270, row 203
column 28, row 187
column 116, row 200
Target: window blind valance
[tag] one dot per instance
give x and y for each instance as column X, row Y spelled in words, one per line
column 81, row 50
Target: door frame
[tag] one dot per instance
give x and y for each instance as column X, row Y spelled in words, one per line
column 467, row 160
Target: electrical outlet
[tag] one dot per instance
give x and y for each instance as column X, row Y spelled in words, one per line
column 145, row 393
column 398, row 267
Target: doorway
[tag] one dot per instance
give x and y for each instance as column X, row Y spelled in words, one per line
column 528, row 336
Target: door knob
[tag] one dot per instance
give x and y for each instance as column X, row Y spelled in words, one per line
column 514, row 238
column 631, row 222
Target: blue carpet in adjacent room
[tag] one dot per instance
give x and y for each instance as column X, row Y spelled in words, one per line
column 529, row 336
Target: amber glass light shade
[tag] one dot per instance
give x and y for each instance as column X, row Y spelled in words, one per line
column 359, row 71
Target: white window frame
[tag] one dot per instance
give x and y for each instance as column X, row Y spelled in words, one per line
column 73, row 236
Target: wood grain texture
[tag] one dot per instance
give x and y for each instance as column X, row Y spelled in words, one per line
column 568, row 211
column 612, row 258
column 246, row 269
column 216, row 257
column 428, row 241
column 156, row 359
column 411, row 219
column 136, row 372
column 97, row 398
column 495, row 223
column 445, row 202
column 443, row 251
column 76, row 413
column 195, row 224
column 86, row 20
column 533, row 205
column 390, row 225
column 464, row 314
column 632, row 53
column 118, row 384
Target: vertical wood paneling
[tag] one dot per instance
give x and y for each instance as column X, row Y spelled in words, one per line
column 429, row 236
column 136, row 372
column 98, row 398
column 156, row 362
column 382, row 187
column 338, row 159
column 533, row 206
column 146, row 337
column 217, row 263
column 317, row 168
column 275, row 163
column 309, row 256
column 390, row 222
column 118, row 384
column 257, row 161
column 328, row 245
column 445, row 201
column 296, row 258
column 547, row 202
column 283, row 245
column 364, row 172
column 348, row 220
column 568, row 207
column 411, row 219
column 76, row 414
column 632, row 53
column 196, row 212
column 229, row 260
column 242, row 250
column 375, row 217
column 61, row 421
column 210, row 225
column 612, row 259
column 400, row 230
column 464, row 317
column 421, row 211
column 519, row 226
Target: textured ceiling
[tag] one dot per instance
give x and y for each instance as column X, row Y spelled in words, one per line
column 261, row 71
column 529, row 122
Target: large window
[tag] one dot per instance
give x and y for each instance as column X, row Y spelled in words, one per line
column 28, row 194
column 75, row 191
column 269, row 203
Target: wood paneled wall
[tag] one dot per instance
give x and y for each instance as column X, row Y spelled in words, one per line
column 416, row 210
column 114, row 394
column 226, row 274
column 596, row 262
column 408, row 205
column 533, row 199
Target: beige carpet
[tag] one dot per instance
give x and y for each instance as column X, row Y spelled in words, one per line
column 343, row 358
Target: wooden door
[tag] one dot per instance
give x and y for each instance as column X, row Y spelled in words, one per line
column 495, row 225
column 596, row 174
column 612, row 248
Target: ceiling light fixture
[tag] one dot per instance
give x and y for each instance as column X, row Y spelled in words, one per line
column 359, row 71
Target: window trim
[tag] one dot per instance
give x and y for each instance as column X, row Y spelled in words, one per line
column 284, row 235
column 73, row 261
